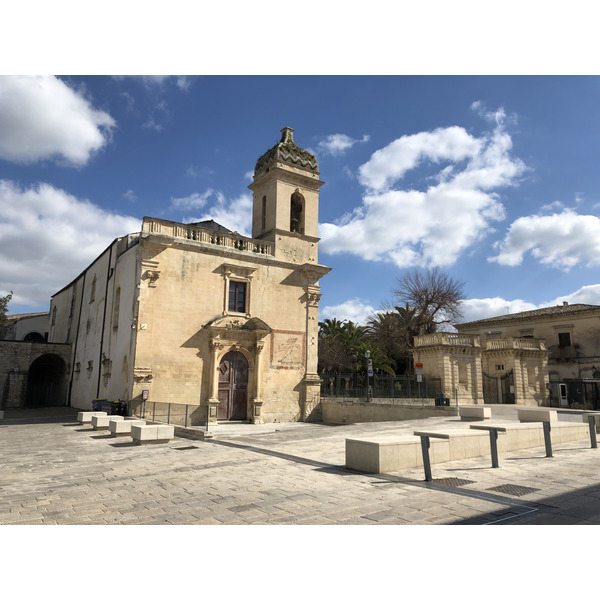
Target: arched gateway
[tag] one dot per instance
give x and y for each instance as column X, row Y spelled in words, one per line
column 46, row 384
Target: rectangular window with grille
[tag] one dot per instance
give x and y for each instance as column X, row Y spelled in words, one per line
column 237, row 296
column 564, row 340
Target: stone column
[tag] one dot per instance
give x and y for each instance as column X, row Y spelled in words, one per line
column 213, row 401
column 257, row 400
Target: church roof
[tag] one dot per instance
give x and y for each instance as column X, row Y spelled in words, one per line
column 211, row 224
column 564, row 309
column 287, row 151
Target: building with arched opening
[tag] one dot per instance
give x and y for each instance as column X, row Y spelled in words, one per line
column 199, row 316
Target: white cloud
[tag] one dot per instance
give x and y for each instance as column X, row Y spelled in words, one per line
column 43, row 118
column 337, row 143
column 235, row 214
column 48, row 238
column 131, row 196
column 194, row 200
column 434, row 225
column 160, row 115
column 486, row 308
column 354, row 310
column 559, row 240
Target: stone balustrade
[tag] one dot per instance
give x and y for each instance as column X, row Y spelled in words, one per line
column 207, row 236
column 444, row 338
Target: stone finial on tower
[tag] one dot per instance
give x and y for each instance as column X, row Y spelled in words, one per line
column 287, row 135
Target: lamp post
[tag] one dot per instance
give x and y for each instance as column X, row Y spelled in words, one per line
column 369, row 373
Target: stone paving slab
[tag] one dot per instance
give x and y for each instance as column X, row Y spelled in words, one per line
column 54, row 473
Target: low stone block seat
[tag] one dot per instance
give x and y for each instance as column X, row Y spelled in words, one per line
column 123, row 427
column 102, row 421
column 521, row 436
column 387, row 454
column 474, row 412
column 537, row 415
column 596, row 417
column 86, row 416
column 152, row 434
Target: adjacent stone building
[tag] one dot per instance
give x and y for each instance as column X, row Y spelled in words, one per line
column 197, row 315
column 571, row 334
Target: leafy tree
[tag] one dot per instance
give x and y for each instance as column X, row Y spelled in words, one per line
column 434, row 296
column 4, row 300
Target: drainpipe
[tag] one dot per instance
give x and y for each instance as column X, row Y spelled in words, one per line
column 104, row 320
column 76, row 340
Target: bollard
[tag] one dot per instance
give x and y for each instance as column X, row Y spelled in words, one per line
column 547, row 439
column 426, row 462
column 592, row 424
column 494, row 447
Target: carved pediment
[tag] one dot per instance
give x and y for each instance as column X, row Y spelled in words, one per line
column 232, row 326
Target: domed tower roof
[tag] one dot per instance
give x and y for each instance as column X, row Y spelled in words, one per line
column 288, row 152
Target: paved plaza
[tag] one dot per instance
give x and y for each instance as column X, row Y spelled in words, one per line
column 56, row 471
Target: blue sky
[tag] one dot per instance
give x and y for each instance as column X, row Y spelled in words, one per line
column 492, row 178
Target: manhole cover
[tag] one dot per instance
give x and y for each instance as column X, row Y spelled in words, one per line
column 513, row 490
column 186, row 448
column 452, row 481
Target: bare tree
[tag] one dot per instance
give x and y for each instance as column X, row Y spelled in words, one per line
column 4, row 300
column 434, row 296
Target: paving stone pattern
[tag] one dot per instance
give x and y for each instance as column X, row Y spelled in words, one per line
column 56, row 471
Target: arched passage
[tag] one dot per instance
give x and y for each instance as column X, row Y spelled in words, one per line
column 46, row 384
column 233, row 387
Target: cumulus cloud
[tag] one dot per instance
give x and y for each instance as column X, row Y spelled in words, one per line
column 355, row 310
column 559, row 240
column 486, row 308
column 435, row 224
column 336, row 144
column 48, row 238
column 235, row 213
column 41, row 118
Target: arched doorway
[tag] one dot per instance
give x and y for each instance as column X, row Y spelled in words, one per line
column 233, row 387
column 46, row 384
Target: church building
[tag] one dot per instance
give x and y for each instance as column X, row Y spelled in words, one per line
column 197, row 315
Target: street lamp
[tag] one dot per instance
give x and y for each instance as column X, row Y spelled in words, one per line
column 369, row 373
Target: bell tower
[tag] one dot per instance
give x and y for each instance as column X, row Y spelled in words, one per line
column 286, row 199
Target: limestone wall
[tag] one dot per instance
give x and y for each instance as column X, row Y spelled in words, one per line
column 342, row 412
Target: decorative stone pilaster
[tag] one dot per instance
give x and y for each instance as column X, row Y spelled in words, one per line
column 311, row 410
column 257, row 400
column 213, row 401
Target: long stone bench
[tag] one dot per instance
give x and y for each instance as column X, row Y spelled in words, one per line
column 522, row 436
column 118, row 427
column 386, row 454
column 86, row 416
column 537, row 415
column 474, row 413
column 595, row 417
column 152, row 434
column 102, row 421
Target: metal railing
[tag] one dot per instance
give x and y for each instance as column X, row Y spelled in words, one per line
column 186, row 415
column 354, row 385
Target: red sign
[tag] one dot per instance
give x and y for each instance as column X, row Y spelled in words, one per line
column 418, row 365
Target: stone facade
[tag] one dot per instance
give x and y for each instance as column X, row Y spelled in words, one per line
column 195, row 314
column 571, row 334
column 476, row 371
column 33, row 374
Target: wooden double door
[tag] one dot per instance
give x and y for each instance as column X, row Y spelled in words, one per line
column 233, row 388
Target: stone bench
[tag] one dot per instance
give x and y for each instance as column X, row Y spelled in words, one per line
column 118, row 427
column 522, row 436
column 102, row 421
column 537, row 415
column 474, row 413
column 387, row 454
column 595, row 416
column 86, row 416
column 152, row 434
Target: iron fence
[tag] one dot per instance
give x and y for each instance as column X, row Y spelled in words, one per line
column 169, row 412
column 354, row 385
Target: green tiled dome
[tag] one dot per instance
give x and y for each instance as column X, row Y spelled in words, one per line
column 287, row 151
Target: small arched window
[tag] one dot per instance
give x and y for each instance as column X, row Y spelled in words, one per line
column 297, row 212
column 116, row 308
